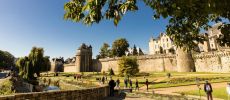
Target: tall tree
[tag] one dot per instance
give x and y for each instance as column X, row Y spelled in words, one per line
column 140, row 52
column 105, row 51
column 36, row 58
column 186, row 17
column 33, row 64
column 6, row 59
column 119, row 47
column 135, row 53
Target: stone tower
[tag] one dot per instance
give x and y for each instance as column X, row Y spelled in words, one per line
column 207, row 47
column 185, row 62
column 84, row 61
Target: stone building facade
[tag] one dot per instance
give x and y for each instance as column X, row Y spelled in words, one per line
column 161, row 45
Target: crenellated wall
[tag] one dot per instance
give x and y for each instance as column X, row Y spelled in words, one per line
column 147, row 63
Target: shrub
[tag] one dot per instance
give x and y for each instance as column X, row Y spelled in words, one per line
column 6, row 88
column 111, row 72
column 128, row 66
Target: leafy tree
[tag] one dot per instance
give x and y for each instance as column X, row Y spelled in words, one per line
column 111, row 72
column 186, row 18
column 6, row 59
column 135, row 53
column 36, row 58
column 140, row 52
column 128, row 66
column 119, row 47
column 46, row 65
column 33, row 64
column 105, row 51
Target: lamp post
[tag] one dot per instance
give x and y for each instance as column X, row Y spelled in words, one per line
column 198, row 85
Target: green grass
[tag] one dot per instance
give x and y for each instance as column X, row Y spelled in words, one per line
column 217, row 93
column 177, row 79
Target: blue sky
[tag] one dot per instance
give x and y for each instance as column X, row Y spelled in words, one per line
column 28, row 23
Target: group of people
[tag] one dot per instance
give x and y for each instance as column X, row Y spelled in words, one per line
column 130, row 82
column 113, row 84
column 102, row 79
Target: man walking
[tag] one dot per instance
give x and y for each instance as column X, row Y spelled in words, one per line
column 130, row 84
column 137, row 85
column 147, row 84
column 208, row 90
column 112, row 84
column 118, row 83
column 126, row 82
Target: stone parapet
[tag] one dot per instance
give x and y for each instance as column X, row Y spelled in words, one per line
column 98, row 93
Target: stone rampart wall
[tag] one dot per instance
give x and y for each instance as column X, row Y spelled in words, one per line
column 212, row 62
column 147, row 63
column 204, row 62
column 70, row 68
column 98, row 93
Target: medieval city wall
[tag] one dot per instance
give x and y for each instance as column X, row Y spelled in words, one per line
column 70, row 68
column 147, row 63
column 204, row 62
column 212, row 62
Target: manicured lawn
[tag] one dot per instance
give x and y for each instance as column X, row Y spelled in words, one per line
column 156, row 79
column 217, row 93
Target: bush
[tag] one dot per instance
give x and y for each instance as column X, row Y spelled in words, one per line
column 6, row 87
column 111, row 72
column 128, row 66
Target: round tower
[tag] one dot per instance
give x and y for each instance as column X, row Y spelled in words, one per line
column 78, row 60
column 185, row 62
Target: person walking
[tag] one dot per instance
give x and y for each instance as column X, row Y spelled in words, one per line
column 208, row 90
column 112, row 84
column 126, row 82
column 103, row 80
column 147, row 84
column 130, row 84
column 137, row 85
column 228, row 89
column 118, row 83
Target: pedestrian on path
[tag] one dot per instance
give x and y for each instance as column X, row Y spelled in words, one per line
column 103, row 80
column 118, row 83
column 126, row 82
column 130, row 83
column 147, row 84
column 208, row 90
column 112, row 84
column 228, row 89
column 137, row 85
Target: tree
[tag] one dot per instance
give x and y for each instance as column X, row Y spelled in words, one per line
column 140, row 52
column 111, row 72
column 36, row 58
column 46, row 65
column 128, row 66
column 6, row 59
column 135, row 53
column 33, row 64
column 105, row 51
column 119, row 47
column 186, row 18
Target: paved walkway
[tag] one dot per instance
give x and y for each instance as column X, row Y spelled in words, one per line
column 170, row 91
column 173, row 90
